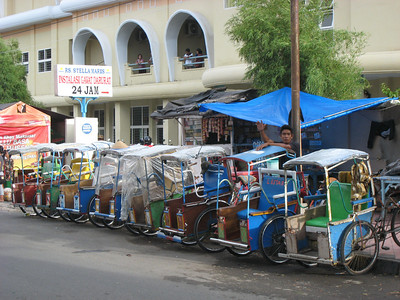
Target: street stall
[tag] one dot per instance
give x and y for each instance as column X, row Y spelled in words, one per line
column 208, row 128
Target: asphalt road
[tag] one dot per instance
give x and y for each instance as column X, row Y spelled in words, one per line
column 53, row 259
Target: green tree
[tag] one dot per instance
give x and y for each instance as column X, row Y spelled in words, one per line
column 329, row 64
column 12, row 74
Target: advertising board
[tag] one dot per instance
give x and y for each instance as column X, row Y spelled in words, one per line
column 83, row 81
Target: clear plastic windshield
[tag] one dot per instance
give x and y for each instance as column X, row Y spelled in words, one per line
column 106, row 173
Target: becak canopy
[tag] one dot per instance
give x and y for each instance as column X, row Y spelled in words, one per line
column 22, row 125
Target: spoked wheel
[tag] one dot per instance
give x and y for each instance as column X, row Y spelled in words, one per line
column 39, row 212
column 307, row 264
column 79, row 218
column 93, row 219
column 65, row 215
column 272, row 239
column 238, row 252
column 147, row 232
column 359, row 248
column 395, row 226
column 51, row 213
column 189, row 240
column 130, row 227
column 206, row 227
column 113, row 224
column 27, row 211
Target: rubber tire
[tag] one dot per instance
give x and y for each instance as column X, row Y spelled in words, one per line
column 277, row 226
column 51, row 214
column 113, row 224
column 350, row 266
column 206, row 227
column 393, row 228
column 132, row 229
column 148, row 232
column 189, row 241
column 307, row 264
column 94, row 220
column 79, row 218
column 65, row 216
column 27, row 213
column 39, row 212
column 237, row 252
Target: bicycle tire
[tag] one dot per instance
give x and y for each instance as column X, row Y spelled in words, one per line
column 98, row 222
column 205, row 227
column 51, row 213
column 237, row 252
column 395, row 226
column 272, row 232
column 148, row 232
column 113, row 224
column 131, row 227
column 38, row 212
column 354, row 260
column 65, row 215
column 79, row 218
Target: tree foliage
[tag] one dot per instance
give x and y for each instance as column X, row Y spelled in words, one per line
column 12, row 74
column 329, row 64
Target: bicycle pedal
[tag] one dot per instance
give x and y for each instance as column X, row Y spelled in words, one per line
column 385, row 248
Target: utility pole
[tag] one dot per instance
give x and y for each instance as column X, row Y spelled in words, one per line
column 295, row 71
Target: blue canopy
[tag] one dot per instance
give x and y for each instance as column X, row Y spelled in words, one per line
column 253, row 155
column 274, row 108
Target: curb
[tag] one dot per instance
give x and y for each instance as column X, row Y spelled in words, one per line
column 386, row 266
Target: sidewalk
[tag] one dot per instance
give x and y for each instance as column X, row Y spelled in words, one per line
column 388, row 260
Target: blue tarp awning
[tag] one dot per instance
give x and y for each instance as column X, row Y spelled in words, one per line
column 274, row 108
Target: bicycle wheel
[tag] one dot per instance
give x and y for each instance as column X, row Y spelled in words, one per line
column 359, row 248
column 39, row 212
column 79, row 218
column 113, row 224
column 93, row 219
column 237, row 252
column 130, row 227
column 28, row 211
column 189, row 240
column 147, row 232
column 205, row 228
column 395, row 226
column 51, row 213
column 65, row 215
column 272, row 239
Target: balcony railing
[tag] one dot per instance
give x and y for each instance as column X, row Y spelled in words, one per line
column 139, row 73
column 193, row 62
column 140, row 68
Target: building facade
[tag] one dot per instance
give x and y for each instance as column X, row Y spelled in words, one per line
column 116, row 32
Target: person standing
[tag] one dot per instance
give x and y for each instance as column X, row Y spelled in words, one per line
column 286, row 135
column 140, row 63
column 188, row 64
column 199, row 59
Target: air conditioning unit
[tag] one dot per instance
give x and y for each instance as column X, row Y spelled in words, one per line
column 192, row 28
column 142, row 36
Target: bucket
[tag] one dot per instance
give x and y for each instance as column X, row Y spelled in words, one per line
column 7, row 194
